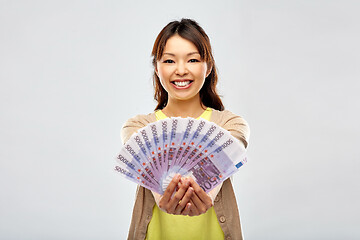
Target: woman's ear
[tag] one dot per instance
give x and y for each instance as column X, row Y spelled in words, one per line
column 208, row 71
column 156, row 71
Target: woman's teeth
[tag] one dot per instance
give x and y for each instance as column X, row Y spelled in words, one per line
column 182, row 84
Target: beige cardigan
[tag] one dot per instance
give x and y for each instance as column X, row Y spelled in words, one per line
column 225, row 202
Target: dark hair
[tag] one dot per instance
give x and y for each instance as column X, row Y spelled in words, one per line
column 190, row 30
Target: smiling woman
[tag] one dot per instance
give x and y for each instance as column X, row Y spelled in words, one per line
column 178, row 39
column 185, row 81
column 181, row 71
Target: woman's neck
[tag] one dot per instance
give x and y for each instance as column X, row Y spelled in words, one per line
column 178, row 108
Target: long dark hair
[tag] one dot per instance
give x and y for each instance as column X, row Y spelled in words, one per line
column 190, row 30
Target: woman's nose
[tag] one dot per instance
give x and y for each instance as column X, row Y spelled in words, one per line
column 181, row 69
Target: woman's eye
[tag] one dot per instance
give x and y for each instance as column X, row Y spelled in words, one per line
column 194, row 60
column 168, row 61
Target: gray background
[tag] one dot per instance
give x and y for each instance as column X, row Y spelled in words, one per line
column 72, row 72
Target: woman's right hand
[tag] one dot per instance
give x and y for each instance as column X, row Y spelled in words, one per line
column 177, row 203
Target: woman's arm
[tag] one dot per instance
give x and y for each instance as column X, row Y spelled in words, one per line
column 239, row 128
column 135, row 123
column 236, row 125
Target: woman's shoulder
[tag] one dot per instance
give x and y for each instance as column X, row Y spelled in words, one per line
column 135, row 123
column 142, row 119
column 226, row 116
column 235, row 124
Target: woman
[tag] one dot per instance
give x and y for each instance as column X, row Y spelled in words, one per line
column 185, row 81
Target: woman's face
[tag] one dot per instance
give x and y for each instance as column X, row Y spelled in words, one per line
column 180, row 70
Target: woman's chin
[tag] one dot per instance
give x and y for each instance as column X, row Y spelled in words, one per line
column 184, row 97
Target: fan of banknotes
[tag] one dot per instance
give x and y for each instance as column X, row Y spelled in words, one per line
column 193, row 148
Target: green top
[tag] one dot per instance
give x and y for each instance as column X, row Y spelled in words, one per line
column 178, row 227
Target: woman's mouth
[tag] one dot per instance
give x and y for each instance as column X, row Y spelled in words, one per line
column 182, row 84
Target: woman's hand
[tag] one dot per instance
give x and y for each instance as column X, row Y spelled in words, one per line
column 200, row 200
column 178, row 203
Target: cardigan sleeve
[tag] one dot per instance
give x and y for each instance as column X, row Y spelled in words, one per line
column 133, row 124
column 236, row 125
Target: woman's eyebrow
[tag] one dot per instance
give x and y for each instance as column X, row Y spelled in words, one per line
column 192, row 53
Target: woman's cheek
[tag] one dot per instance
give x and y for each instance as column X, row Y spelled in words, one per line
column 165, row 73
column 163, row 84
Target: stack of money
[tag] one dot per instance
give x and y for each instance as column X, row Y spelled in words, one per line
column 193, row 148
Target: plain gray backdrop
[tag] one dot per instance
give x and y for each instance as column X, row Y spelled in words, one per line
column 72, row 72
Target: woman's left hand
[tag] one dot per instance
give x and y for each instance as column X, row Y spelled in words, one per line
column 200, row 200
